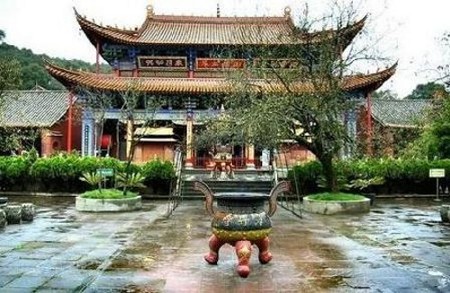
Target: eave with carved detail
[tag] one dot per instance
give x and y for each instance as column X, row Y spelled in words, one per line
column 159, row 85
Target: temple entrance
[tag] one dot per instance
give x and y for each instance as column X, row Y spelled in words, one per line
column 204, row 158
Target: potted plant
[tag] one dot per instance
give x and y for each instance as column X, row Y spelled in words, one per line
column 110, row 199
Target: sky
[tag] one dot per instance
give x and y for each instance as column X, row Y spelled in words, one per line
column 407, row 31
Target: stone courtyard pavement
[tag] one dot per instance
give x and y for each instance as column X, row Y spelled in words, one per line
column 401, row 246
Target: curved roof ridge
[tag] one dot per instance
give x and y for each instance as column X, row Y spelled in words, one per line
column 215, row 19
column 371, row 80
column 172, row 29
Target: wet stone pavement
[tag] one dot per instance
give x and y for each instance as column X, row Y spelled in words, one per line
column 401, row 246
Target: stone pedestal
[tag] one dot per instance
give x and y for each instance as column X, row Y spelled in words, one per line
column 2, row 219
column 28, row 212
column 445, row 213
column 3, row 201
column 13, row 214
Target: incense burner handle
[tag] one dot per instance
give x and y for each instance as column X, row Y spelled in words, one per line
column 282, row 186
column 209, row 195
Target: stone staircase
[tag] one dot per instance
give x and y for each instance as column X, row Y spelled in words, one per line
column 244, row 180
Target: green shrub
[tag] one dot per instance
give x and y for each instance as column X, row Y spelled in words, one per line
column 159, row 175
column 386, row 175
column 304, row 177
column 133, row 180
column 327, row 196
column 14, row 172
column 107, row 194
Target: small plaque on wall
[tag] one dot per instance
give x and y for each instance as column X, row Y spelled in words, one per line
column 219, row 63
column 162, row 62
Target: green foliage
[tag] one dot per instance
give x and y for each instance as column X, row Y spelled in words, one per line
column 73, row 173
column 434, row 140
column 62, row 172
column 132, row 180
column 13, row 139
column 339, row 196
column 441, row 131
column 384, row 95
column 374, row 175
column 158, row 170
column 305, row 177
column 107, row 194
column 94, row 179
column 14, row 171
column 31, row 67
column 159, row 175
column 10, row 77
column 427, row 91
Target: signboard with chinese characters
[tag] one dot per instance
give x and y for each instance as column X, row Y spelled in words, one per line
column 276, row 63
column 162, row 63
column 219, row 63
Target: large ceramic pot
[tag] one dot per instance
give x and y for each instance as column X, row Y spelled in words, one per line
column 242, row 221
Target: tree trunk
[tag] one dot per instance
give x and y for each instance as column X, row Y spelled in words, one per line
column 329, row 172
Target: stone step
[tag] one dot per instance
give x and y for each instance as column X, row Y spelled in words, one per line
column 227, row 186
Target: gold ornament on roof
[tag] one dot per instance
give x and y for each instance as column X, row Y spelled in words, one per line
column 287, row 11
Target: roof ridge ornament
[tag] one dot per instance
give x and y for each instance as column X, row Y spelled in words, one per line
column 150, row 10
column 287, row 11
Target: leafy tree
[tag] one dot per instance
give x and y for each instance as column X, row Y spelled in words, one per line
column 429, row 90
column 128, row 101
column 384, row 95
column 9, row 72
column 434, row 140
column 269, row 104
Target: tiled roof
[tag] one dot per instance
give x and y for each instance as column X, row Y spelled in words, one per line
column 200, row 30
column 35, row 108
column 110, row 82
column 399, row 113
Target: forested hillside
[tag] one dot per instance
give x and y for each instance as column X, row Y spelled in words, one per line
column 32, row 66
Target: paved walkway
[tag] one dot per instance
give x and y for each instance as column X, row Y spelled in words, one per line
column 401, row 246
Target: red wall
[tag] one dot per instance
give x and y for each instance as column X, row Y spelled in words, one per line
column 58, row 141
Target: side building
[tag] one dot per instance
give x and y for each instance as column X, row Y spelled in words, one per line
column 180, row 61
column 39, row 118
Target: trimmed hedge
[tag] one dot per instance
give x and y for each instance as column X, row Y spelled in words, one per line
column 158, row 175
column 61, row 173
column 401, row 176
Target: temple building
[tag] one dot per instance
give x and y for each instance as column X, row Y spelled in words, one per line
column 178, row 60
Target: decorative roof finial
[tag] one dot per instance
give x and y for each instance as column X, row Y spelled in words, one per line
column 150, row 11
column 218, row 9
column 287, row 11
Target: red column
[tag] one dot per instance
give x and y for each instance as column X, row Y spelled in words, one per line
column 97, row 58
column 69, row 123
column 369, row 125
